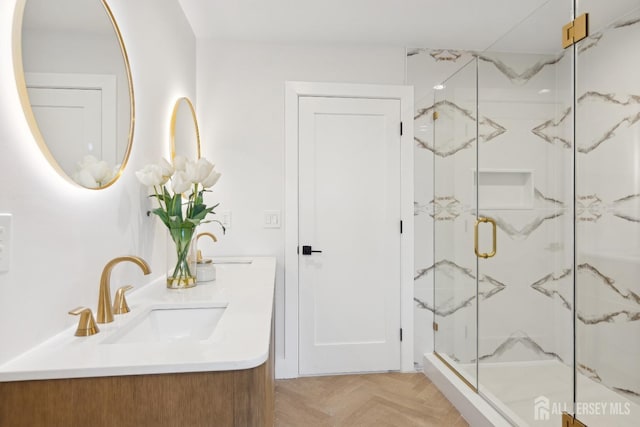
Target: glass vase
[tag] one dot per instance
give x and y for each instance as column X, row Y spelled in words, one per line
column 182, row 273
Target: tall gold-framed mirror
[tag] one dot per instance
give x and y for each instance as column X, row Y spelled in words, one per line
column 185, row 133
column 74, row 80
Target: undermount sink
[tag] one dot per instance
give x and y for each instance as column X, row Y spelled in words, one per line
column 165, row 324
column 232, row 261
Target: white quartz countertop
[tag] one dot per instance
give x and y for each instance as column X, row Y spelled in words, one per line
column 240, row 340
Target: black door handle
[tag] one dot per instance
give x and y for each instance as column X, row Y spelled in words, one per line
column 306, row 250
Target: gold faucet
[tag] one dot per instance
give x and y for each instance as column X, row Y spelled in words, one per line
column 105, row 310
column 199, row 258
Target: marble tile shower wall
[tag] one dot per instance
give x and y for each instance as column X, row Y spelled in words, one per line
column 525, row 295
column 517, row 96
column 518, row 100
column 426, row 68
column 608, row 207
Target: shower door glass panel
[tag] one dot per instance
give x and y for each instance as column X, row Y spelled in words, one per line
column 455, row 287
column 524, row 184
column 608, row 215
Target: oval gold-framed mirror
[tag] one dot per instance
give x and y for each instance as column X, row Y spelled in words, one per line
column 185, row 133
column 74, row 80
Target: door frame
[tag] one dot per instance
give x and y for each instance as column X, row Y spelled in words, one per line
column 287, row 366
column 105, row 83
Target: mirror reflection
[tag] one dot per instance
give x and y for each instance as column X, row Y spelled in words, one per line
column 185, row 135
column 76, row 88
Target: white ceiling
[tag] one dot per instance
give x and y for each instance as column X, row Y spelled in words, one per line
column 461, row 24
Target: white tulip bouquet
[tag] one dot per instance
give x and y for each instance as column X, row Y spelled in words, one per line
column 182, row 208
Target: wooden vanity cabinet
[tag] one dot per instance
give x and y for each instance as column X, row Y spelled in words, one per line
column 243, row 398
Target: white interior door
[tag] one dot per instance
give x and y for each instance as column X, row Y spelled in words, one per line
column 70, row 120
column 349, row 208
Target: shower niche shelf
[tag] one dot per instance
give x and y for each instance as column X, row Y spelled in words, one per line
column 504, row 188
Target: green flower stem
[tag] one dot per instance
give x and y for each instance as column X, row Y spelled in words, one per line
column 155, row 190
column 182, row 238
column 191, row 202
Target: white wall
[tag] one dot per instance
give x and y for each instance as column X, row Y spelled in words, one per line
column 241, row 114
column 62, row 234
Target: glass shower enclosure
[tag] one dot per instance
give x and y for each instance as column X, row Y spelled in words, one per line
column 537, row 219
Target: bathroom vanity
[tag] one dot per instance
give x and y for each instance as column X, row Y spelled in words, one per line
column 193, row 357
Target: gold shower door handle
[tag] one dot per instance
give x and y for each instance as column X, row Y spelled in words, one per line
column 475, row 237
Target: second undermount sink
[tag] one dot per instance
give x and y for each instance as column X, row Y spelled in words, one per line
column 167, row 323
column 232, row 261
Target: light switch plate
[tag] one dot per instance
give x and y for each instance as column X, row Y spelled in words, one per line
column 271, row 219
column 5, row 242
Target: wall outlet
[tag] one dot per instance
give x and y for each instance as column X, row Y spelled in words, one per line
column 271, row 219
column 5, row 242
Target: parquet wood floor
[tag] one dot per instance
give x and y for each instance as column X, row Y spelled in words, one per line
column 366, row 400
